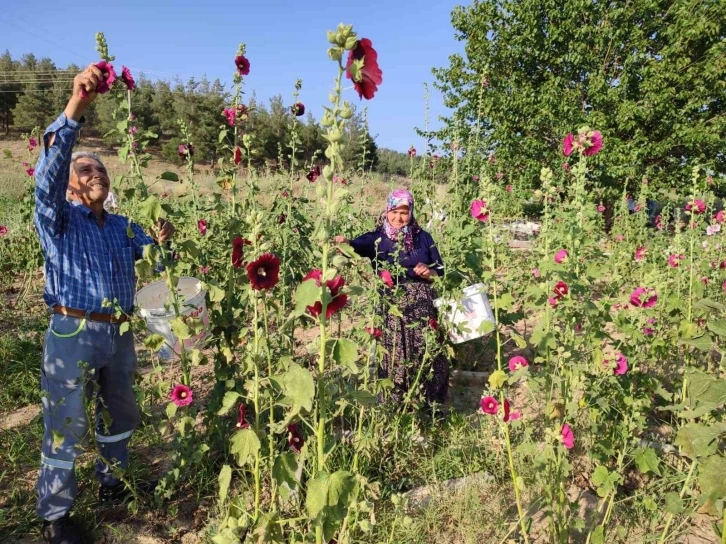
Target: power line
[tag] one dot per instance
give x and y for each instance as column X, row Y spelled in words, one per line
column 40, row 37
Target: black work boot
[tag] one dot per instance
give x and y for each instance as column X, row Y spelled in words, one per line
column 119, row 493
column 62, row 531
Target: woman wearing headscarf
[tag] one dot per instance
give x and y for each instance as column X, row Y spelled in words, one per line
column 398, row 243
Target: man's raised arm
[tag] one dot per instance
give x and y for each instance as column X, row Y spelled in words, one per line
column 52, row 173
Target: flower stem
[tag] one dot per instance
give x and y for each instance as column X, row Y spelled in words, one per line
column 669, row 517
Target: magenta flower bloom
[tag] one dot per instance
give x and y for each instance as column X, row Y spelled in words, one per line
column 30, row 172
column 509, row 188
column 619, row 238
column 298, row 109
column 185, row 149
column 619, row 366
column 719, row 217
column 489, row 405
column 229, row 114
column 3, row 230
column 640, row 253
column 204, row 269
column 314, row 174
column 370, row 75
column 647, row 331
column 475, row 178
column 565, row 167
column 674, row 260
column 568, row 437
column 264, row 273
column 243, row 65
column 592, row 144
column 517, row 362
column 295, row 438
column 553, row 301
column 643, row 298
column 601, row 208
column 127, row 78
column 374, row 332
column 412, row 152
column 109, row 76
column 181, row 395
column 237, row 156
column 508, row 414
column 561, row 289
column 568, row 145
column 433, row 323
column 202, row 226
column 479, row 210
column 500, row 175
column 696, row 207
column 535, row 272
column 241, row 417
column 386, row 277
column 33, row 143
column 561, row 255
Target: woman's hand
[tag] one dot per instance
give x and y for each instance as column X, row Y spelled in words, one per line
column 340, row 239
column 422, row 271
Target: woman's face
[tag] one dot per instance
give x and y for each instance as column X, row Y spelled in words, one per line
column 399, row 216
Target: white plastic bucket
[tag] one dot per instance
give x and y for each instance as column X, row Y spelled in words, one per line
column 466, row 315
column 154, row 303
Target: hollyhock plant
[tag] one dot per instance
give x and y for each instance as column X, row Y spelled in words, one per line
column 674, row 260
column 241, row 419
column 374, row 332
column 517, row 362
column 298, row 109
column 561, row 289
column 567, row 436
column 509, row 188
column 535, row 272
column 181, row 395
column 619, row 366
column 508, row 414
column 314, row 174
column 295, row 438
column 643, row 298
column 601, row 208
column 640, row 253
column 412, row 152
column 591, row 143
column 3, row 230
column 127, row 78
column 568, row 145
column 713, row 229
column 719, row 217
column 229, row 114
column 242, row 64
column 334, row 286
column 561, row 256
column 264, row 272
column 185, row 149
column 433, row 323
column 237, row 157
column 696, row 206
column 108, row 77
column 202, row 226
column 30, row 172
column 553, row 301
column 385, row 275
column 489, row 405
column 238, row 250
column 369, row 75
column 479, row 210
column 33, row 143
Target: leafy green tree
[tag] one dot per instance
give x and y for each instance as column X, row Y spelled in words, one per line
column 649, row 74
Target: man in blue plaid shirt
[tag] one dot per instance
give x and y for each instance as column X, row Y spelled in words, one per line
column 89, row 259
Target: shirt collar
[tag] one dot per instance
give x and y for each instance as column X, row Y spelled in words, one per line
column 86, row 210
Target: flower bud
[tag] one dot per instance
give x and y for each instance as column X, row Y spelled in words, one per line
column 351, row 42
column 332, row 37
column 335, row 53
column 247, row 140
column 327, row 120
column 328, row 172
column 346, row 112
column 320, row 190
column 335, row 135
column 339, row 261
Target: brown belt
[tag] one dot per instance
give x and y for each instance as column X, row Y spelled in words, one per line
column 93, row 316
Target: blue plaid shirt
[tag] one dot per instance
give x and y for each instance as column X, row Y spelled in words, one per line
column 84, row 262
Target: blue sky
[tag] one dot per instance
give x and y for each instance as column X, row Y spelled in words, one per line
column 285, row 41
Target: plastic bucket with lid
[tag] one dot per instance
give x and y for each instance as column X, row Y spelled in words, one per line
column 466, row 316
column 154, row 304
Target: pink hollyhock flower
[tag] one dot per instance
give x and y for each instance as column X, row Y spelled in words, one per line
column 133, row 129
column 489, row 405
column 109, row 76
column 561, row 255
column 719, row 217
column 643, row 298
column 578, row 328
column 640, row 253
column 475, row 178
column 601, row 208
column 638, row 208
column 242, row 112
column 229, row 114
column 704, row 280
column 204, row 269
column 181, row 395
column 517, row 362
column 433, row 323
column 314, row 174
column 295, row 438
column 238, row 251
column 508, row 415
column 553, row 301
column 535, row 272
column 479, row 210
column 281, row 219
column 298, row 109
column 3, row 230
column 565, row 167
column 561, row 289
column 242, row 64
column 237, row 157
column 412, row 152
column 185, row 149
column 697, row 206
column 619, row 238
column 568, row 145
column 374, row 332
column 264, row 272
column 241, row 419
column 647, row 331
column 32, row 144
column 334, row 286
column 127, row 78
column 509, row 188
column 285, row 194
column 722, row 265
column 592, row 143
column 713, row 229
column 386, row 277
column 674, row 260
column 620, row 365
column 26, row 164
column 202, row 226
column 500, row 175
column 370, row 75
column 568, row 437
column 30, row 172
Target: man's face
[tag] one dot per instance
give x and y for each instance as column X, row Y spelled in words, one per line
column 89, row 181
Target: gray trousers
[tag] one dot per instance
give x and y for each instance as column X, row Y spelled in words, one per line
column 111, row 364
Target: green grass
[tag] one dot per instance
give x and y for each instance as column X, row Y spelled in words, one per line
column 20, row 353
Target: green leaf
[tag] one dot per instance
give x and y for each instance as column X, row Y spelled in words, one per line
column 180, row 329
column 317, row 494
column 598, row 535
column 698, row 440
column 224, row 479
column 712, row 479
column 647, row 461
column 58, row 439
column 673, row 503
column 125, row 326
column 215, row 293
column 717, row 327
column 154, row 342
column 305, row 295
column 329, row 494
column 505, row 301
column 710, row 305
column 497, row 379
column 229, row 400
column 284, row 471
column 244, row 445
column 150, row 210
column 298, row 385
column 345, row 353
column 701, row 343
column 171, row 409
column 169, row 176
